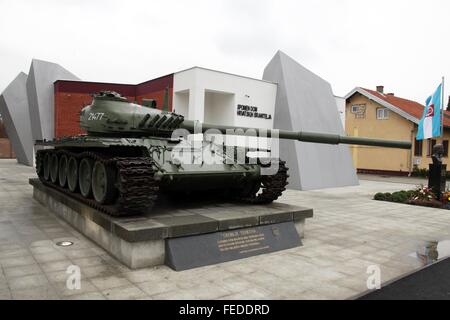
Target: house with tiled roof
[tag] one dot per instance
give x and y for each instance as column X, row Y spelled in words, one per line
column 376, row 114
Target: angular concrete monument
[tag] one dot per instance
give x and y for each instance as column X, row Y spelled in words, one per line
column 40, row 91
column 14, row 110
column 305, row 102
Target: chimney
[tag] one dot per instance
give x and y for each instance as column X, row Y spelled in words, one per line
column 391, row 94
column 380, row 89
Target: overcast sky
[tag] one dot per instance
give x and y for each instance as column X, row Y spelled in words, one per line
column 402, row 44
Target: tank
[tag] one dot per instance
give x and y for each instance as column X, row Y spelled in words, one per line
column 131, row 154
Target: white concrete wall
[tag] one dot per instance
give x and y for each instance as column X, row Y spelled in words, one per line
column 219, row 107
column 246, row 91
column 181, row 100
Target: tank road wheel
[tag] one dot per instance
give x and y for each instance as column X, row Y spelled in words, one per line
column 47, row 166
column 72, row 174
column 103, row 183
column 54, row 168
column 62, row 171
column 40, row 164
column 85, row 177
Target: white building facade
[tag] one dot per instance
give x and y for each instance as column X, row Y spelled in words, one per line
column 224, row 99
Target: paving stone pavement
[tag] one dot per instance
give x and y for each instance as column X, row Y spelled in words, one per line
column 349, row 233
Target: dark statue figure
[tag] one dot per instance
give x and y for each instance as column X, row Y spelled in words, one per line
column 438, row 153
column 437, row 176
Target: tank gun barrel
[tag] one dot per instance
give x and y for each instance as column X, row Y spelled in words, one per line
column 110, row 113
column 323, row 138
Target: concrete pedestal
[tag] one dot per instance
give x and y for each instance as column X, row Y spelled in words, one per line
column 140, row 241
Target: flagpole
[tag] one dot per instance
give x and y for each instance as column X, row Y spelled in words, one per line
column 442, row 108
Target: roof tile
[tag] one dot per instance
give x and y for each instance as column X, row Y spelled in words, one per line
column 413, row 108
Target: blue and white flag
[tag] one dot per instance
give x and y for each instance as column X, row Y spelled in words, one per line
column 430, row 124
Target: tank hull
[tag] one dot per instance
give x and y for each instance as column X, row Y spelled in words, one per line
column 203, row 172
column 138, row 170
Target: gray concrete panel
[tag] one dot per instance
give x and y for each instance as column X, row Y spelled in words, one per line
column 14, row 110
column 40, row 91
column 305, row 102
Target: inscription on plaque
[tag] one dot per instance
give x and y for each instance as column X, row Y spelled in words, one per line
column 244, row 241
column 195, row 251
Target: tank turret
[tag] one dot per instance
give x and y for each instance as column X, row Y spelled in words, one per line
column 130, row 156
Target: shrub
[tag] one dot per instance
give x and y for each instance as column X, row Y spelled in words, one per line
column 380, row 196
column 399, row 197
column 422, row 196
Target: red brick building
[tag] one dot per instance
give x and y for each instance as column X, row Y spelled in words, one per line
column 6, row 151
column 72, row 96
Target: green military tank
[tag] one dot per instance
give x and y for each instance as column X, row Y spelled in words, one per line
column 133, row 153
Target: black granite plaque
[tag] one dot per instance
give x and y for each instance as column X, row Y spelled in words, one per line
column 202, row 250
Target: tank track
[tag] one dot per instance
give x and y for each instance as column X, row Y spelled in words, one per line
column 137, row 188
column 271, row 186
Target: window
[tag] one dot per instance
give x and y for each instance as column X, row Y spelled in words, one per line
column 359, row 110
column 445, row 144
column 418, row 148
column 430, row 145
column 382, row 114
